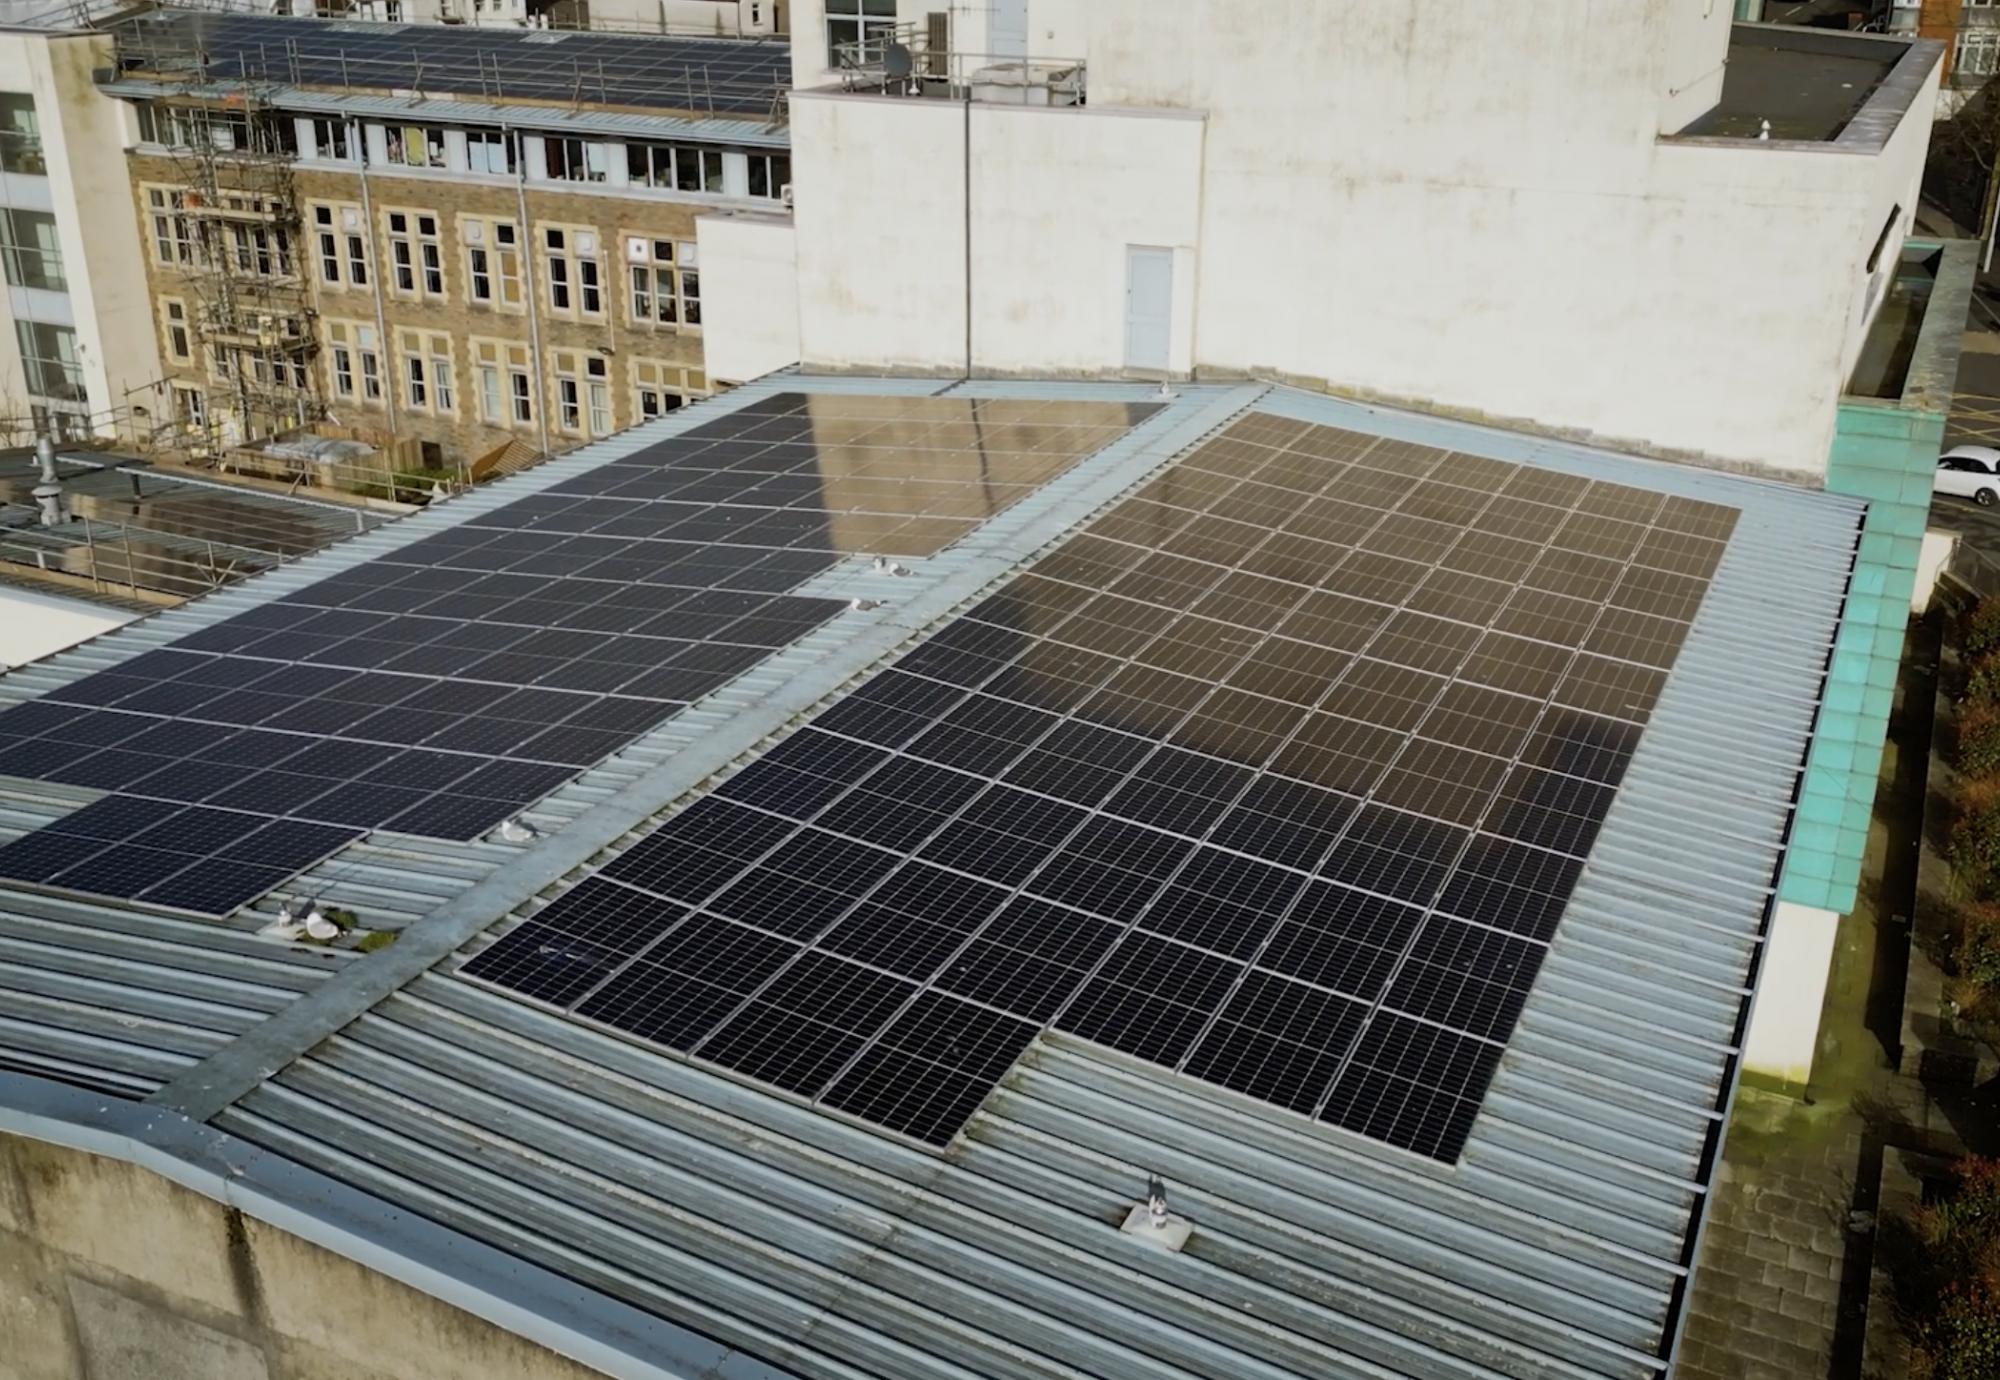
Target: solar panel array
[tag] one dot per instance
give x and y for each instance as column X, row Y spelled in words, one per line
column 442, row 687
column 706, row 75
column 1279, row 775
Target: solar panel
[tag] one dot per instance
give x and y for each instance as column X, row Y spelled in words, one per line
column 1279, row 775
column 441, row 688
column 703, row 75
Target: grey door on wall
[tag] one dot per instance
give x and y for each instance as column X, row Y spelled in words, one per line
column 1149, row 303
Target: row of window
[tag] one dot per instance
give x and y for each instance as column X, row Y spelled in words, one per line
column 680, row 167
column 183, row 237
column 501, row 378
column 661, row 278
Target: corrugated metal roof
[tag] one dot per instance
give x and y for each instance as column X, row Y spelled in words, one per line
column 474, row 110
column 1557, row 1246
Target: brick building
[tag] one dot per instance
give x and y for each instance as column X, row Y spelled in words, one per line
column 441, row 248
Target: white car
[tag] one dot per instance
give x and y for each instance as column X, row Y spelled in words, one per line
column 1969, row 472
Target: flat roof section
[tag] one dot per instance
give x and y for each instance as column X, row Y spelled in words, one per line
column 1809, row 83
column 709, row 76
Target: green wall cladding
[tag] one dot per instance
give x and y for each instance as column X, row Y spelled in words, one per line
column 1884, row 453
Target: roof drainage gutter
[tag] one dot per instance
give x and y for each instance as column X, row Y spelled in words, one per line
column 510, row 1293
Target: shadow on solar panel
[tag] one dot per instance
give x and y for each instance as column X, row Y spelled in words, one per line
column 1279, row 776
column 446, row 686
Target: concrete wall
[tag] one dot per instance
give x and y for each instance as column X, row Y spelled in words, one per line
column 879, row 202
column 1056, row 197
column 35, row 625
column 1044, row 299
column 1791, row 989
column 108, row 1272
column 751, row 294
column 1502, row 228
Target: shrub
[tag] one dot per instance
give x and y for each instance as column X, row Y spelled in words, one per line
column 1979, row 739
column 1976, row 956
column 1981, row 631
column 1974, row 846
column 1982, row 681
column 1958, row 1335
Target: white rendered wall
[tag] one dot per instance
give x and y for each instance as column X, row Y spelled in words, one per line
column 749, row 289
column 34, row 625
column 1057, row 196
column 878, row 192
column 1495, row 229
column 1051, row 301
column 1791, row 989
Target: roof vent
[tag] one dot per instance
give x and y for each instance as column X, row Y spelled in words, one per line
column 1152, row 1223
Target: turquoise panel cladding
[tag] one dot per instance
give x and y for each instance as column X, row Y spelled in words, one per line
column 1884, row 453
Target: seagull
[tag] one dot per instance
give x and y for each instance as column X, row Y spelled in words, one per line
column 517, row 831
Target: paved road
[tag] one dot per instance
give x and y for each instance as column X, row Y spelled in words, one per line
column 1975, row 405
column 1975, row 417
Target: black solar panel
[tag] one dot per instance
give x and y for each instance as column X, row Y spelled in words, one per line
column 1280, row 775
column 704, row 76
column 443, row 687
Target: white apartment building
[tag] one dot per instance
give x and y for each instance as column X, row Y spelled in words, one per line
column 71, row 359
column 1638, row 224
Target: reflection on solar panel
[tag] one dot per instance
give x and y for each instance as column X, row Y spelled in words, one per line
column 1279, row 775
column 439, row 689
column 703, row 75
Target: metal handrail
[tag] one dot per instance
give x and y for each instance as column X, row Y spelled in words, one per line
column 864, row 63
column 690, row 87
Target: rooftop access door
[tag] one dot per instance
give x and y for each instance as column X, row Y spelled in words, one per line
column 1149, row 300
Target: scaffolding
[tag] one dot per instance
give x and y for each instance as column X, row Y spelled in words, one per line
column 242, row 247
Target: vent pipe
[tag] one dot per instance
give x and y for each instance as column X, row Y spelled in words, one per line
column 49, row 493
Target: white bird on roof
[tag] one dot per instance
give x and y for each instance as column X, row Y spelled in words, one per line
column 517, row 831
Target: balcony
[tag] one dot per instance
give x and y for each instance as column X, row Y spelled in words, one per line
column 1790, row 86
